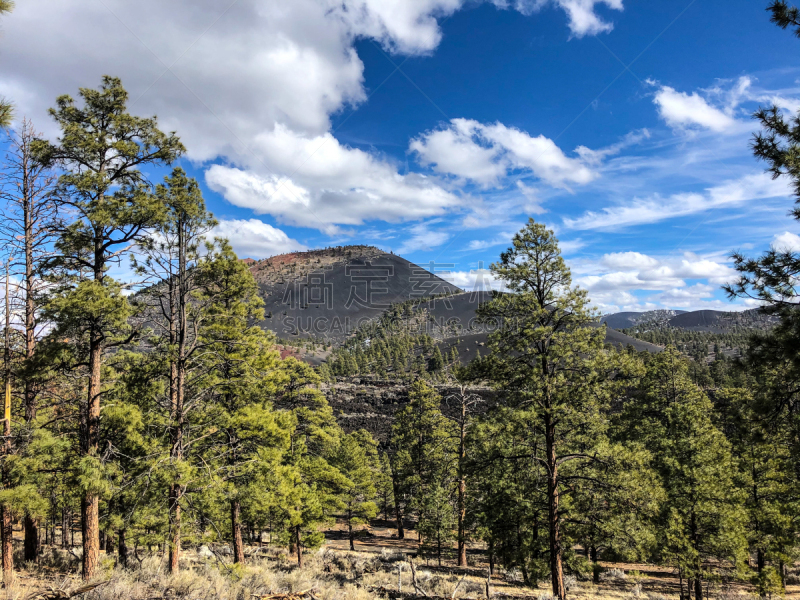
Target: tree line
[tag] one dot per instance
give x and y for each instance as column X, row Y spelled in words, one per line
column 621, row 455
column 139, row 394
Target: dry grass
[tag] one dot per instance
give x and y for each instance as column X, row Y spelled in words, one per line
column 332, row 574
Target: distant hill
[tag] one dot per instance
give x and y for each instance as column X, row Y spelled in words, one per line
column 470, row 338
column 704, row 335
column 317, row 300
column 711, row 321
column 623, row 320
column 327, row 294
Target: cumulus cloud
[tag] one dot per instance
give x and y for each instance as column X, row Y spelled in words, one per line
column 583, row 20
column 474, row 280
column 392, row 197
column 253, row 82
column 669, row 282
column 483, row 153
column 628, row 260
column 786, row 242
column 255, row 239
column 651, row 210
column 680, row 110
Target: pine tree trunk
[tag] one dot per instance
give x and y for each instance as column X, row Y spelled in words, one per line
column 236, row 527
column 351, row 536
column 698, row 582
column 401, row 533
column 462, row 491
column 6, row 540
column 175, row 528
column 91, row 535
column 595, row 566
column 556, row 567
column 176, row 417
column 122, row 548
column 31, row 526
column 760, row 566
column 31, row 543
column 298, row 546
column 64, row 527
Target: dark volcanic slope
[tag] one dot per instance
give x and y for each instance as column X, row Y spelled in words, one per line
column 699, row 320
column 709, row 321
column 623, row 320
column 326, row 294
column 454, row 319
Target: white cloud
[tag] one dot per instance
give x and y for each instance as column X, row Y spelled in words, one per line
column 616, row 278
column 651, row 210
column 583, row 20
column 628, row 260
column 571, row 246
column 254, row 83
column 474, row 280
column 421, row 237
column 482, row 153
column 679, row 110
column 358, row 192
column 252, row 238
column 489, row 243
column 596, row 157
column 786, row 242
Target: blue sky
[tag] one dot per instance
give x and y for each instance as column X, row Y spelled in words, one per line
column 435, row 128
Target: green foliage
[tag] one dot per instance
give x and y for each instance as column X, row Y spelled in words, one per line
column 357, row 460
column 550, row 364
column 424, row 459
column 703, row 516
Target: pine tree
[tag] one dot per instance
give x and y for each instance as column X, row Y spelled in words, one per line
column 424, row 457
column 547, row 355
column 357, row 460
column 436, row 362
column 767, row 475
column 383, row 485
column 702, row 516
column 466, row 402
column 102, row 151
column 437, row 520
column 170, row 262
column 30, row 219
column 243, row 359
column 507, row 495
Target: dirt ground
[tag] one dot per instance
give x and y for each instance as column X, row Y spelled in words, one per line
column 618, row 581
column 368, row 573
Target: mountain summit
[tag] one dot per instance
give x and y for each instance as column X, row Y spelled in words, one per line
column 326, row 295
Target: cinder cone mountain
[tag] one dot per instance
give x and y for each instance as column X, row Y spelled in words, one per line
column 326, row 294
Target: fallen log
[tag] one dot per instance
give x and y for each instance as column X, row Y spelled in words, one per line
column 59, row 594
